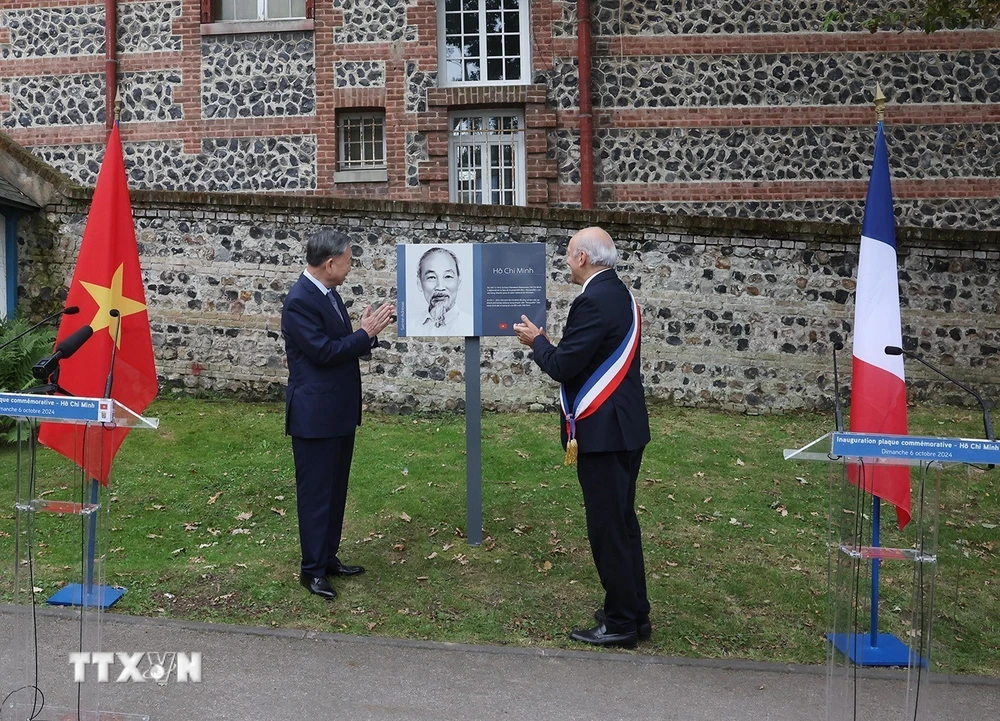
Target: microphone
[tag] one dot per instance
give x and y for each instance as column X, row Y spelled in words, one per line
column 838, row 412
column 71, row 310
column 987, row 423
column 114, row 352
column 66, row 348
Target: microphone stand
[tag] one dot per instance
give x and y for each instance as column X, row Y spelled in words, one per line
column 68, row 311
column 987, row 422
column 114, row 351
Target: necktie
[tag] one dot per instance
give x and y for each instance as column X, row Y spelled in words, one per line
column 336, row 307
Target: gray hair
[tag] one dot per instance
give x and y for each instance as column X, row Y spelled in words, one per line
column 326, row 243
column 454, row 258
column 598, row 252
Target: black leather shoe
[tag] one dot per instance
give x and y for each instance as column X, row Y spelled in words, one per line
column 644, row 628
column 599, row 636
column 339, row 569
column 319, row 586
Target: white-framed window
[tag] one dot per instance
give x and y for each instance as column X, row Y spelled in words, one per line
column 484, row 42
column 486, row 157
column 361, row 140
column 235, row 10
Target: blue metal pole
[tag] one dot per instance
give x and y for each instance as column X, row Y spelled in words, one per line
column 876, row 514
column 473, row 444
column 88, row 587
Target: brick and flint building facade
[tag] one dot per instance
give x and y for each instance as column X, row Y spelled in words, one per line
column 727, row 108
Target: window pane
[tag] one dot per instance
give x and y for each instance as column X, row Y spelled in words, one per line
column 453, row 70
column 513, row 69
column 452, row 24
column 362, row 141
column 494, row 69
column 245, row 10
column 277, row 9
column 471, row 70
column 494, row 45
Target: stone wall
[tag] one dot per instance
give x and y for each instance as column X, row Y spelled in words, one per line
column 737, row 314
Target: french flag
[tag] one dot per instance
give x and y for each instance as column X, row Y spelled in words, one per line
column 878, row 389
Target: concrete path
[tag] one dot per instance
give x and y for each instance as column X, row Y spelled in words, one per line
column 250, row 673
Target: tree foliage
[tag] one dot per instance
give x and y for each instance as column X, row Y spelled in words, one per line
column 927, row 15
column 17, row 359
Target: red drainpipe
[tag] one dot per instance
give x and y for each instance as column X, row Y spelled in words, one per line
column 110, row 59
column 586, row 119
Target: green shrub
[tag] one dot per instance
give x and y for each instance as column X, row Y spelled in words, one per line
column 17, row 359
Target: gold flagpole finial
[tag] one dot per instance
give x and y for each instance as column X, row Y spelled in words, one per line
column 879, row 103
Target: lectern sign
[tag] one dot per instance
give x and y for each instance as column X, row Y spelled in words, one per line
column 916, row 448
column 83, row 410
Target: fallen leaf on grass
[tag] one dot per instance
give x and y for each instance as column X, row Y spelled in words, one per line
column 404, row 516
column 240, row 532
column 177, row 550
column 245, row 516
column 152, row 535
column 241, row 565
column 400, row 488
column 432, row 556
column 116, row 549
column 422, row 578
column 191, row 526
column 213, row 499
column 523, row 454
column 739, row 462
column 279, row 511
column 709, row 498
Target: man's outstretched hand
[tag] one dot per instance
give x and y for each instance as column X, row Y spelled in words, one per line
column 526, row 331
column 374, row 321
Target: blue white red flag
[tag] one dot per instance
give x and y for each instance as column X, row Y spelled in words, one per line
column 878, row 388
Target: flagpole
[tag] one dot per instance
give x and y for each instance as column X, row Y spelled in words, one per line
column 876, row 506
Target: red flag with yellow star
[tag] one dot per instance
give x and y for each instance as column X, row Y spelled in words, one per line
column 107, row 277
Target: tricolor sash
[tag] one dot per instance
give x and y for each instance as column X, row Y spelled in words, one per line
column 604, row 381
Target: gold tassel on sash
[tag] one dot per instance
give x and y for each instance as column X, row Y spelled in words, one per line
column 571, row 451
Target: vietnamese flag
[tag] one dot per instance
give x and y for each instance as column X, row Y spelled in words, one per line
column 107, row 277
column 878, row 388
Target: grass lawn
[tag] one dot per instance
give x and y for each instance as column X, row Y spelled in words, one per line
column 203, row 526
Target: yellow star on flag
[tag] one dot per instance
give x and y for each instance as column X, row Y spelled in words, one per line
column 111, row 298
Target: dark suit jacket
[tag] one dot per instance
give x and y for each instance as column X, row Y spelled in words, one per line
column 598, row 321
column 324, row 380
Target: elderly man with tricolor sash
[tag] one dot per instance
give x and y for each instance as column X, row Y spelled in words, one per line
column 605, row 428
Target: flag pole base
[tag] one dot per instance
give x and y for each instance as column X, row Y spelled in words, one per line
column 96, row 596
column 888, row 651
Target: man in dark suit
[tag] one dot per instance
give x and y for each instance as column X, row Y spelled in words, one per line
column 323, row 402
column 607, row 423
